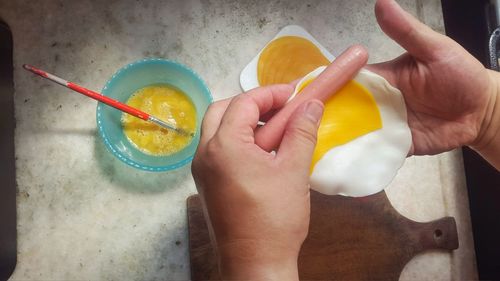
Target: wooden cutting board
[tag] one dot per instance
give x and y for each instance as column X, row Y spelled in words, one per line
column 349, row 239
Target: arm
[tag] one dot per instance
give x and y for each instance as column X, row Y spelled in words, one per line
column 251, row 261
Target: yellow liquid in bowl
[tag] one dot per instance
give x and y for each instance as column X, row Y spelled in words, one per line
column 168, row 104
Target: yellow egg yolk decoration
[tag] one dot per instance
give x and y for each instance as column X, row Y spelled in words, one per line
column 348, row 114
column 288, row 58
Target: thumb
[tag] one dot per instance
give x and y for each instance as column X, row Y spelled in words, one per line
column 299, row 138
column 417, row 38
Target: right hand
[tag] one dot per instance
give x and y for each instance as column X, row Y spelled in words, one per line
column 256, row 203
column 450, row 96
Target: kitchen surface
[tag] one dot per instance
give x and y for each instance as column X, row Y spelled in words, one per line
column 83, row 214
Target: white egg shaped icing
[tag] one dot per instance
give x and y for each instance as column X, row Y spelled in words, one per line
column 368, row 163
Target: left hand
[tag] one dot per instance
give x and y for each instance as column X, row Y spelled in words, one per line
column 256, row 203
column 448, row 93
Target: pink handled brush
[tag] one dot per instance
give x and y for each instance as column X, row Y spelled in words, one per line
column 107, row 100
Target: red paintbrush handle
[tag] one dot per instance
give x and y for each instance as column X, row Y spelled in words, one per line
column 109, row 101
column 75, row 87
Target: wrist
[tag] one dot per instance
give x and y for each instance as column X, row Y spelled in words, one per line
column 256, row 260
column 487, row 142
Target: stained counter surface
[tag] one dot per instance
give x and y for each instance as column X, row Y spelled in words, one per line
column 84, row 215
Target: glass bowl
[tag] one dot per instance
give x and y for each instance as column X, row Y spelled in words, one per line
column 133, row 77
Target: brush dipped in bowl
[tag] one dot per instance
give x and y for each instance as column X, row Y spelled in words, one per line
column 165, row 89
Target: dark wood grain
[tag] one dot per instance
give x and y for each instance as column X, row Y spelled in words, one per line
column 349, row 239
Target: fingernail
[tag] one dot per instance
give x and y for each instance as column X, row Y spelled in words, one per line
column 314, row 111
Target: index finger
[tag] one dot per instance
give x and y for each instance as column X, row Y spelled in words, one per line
column 244, row 111
column 332, row 79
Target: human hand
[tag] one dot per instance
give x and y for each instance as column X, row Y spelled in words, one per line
column 256, row 203
column 449, row 94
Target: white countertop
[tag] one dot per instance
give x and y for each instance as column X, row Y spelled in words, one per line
column 83, row 214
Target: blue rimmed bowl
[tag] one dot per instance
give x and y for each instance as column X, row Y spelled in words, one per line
column 133, row 77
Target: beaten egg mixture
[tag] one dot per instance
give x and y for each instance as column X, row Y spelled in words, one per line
column 168, row 104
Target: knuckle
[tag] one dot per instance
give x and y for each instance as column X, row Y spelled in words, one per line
column 207, row 159
column 305, row 131
column 242, row 98
column 213, row 107
column 213, row 149
column 207, row 152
